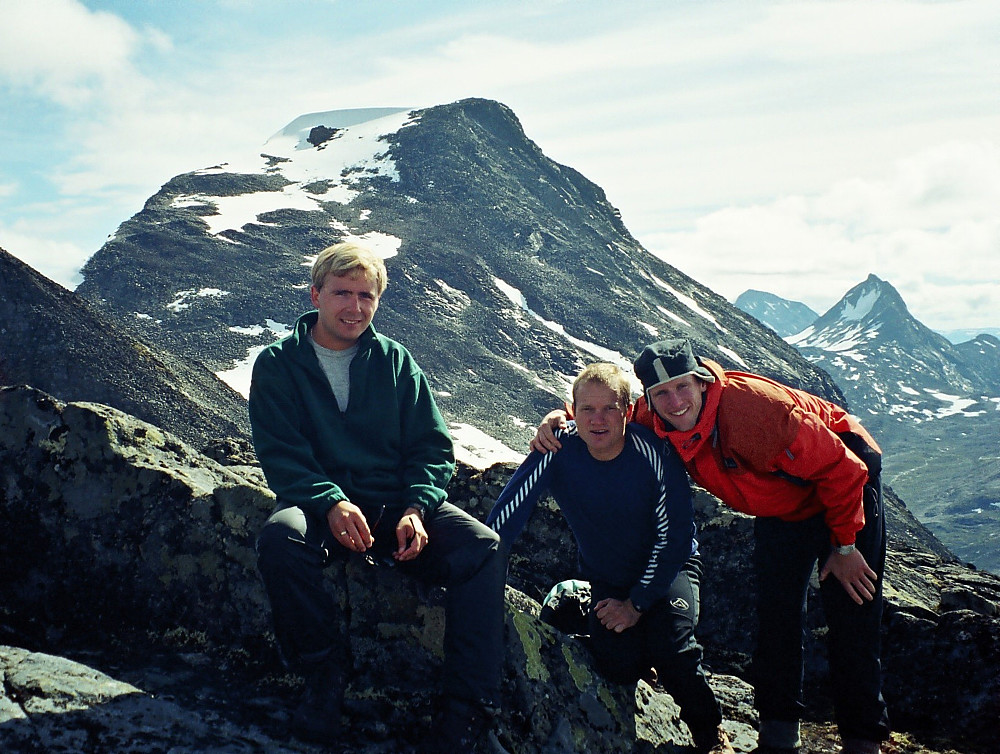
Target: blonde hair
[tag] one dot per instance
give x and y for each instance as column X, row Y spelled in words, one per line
column 343, row 258
column 609, row 375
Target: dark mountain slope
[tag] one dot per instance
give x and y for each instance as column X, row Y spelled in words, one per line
column 53, row 340
column 511, row 270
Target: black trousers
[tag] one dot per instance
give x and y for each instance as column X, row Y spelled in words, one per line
column 461, row 554
column 785, row 554
column 664, row 639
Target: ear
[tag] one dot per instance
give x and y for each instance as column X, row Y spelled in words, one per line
column 314, row 296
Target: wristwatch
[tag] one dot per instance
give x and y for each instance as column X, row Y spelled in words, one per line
column 845, row 549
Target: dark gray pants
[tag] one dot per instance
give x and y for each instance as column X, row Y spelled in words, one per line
column 664, row 638
column 462, row 555
column 785, row 554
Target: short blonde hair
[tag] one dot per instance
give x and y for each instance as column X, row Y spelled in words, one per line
column 343, row 258
column 609, row 375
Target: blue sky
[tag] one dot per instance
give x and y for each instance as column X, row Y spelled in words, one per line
column 792, row 147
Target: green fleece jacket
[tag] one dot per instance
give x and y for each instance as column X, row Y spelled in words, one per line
column 390, row 450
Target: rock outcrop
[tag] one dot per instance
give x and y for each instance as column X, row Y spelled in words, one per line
column 130, row 551
column 130, row 556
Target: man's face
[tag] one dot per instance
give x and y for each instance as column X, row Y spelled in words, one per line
column 600, row 420
column 678, row 402
column 346, row 305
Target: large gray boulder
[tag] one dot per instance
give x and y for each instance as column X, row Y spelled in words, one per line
column 133, row 553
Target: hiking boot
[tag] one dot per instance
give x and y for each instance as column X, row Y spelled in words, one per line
column 860, row 746
column 712, row 741
column 461, row 726
column 317, row 718
column 778, row 737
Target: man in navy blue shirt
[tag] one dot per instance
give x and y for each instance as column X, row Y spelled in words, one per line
column 627, row 499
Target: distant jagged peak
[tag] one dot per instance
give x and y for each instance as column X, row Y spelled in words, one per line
column 863, row 314
column 873, row 299
column 782, row 315
column 869, row 298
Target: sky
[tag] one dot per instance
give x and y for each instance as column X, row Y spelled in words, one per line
column 789, row 147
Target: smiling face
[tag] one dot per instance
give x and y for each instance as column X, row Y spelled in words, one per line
column 679, row 401
column 346, row 305
column 600, row 419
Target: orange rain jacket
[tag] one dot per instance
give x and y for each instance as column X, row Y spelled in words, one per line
column 770, row 450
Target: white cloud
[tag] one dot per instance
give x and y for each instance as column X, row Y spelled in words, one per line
column 61, row 49
column 930, row 229
column 57, row 260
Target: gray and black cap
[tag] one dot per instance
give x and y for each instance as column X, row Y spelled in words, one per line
column 667, row 360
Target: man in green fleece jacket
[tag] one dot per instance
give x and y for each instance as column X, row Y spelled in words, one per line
column 353, row 445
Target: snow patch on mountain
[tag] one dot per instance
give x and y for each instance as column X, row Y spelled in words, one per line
column 862, row 307
column 238, row 378
column 689, row 302
column 181, row 300
column 842, row 338
column 604, row 354
column 734, row 356
column 477, row 449
column 956, row 404
column 352, row 152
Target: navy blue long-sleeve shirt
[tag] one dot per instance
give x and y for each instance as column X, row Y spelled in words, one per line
column 632, row 516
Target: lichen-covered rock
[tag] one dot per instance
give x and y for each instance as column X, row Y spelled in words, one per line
column 123, row 543
column 112, row 524
column 119, row 532
column 58, row 706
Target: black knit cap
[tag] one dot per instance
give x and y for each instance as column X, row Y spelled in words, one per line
column 667, row 360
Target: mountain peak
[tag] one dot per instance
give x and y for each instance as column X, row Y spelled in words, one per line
column 781, row 315
column 891, row 363
column 868, row 300
column 508, row 271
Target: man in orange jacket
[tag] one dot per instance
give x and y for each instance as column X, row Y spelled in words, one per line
column 811, row 475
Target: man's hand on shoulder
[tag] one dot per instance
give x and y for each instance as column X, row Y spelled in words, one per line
column 410, row 535
column 349, row 526
column 545, row 437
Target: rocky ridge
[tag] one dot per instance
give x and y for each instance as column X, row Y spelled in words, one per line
column 131, row 557
column 56, row 341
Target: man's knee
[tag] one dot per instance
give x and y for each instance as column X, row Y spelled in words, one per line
column 470, row 548
column 281, row 546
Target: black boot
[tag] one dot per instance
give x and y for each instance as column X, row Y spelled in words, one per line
column 317, row 718
column 462, row 726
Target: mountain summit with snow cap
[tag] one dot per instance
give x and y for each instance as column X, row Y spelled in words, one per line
column 507, row 271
